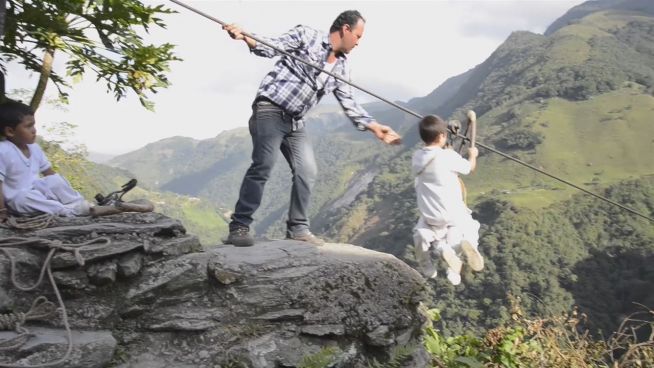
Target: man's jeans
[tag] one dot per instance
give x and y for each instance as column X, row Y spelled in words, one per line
column 272, row 130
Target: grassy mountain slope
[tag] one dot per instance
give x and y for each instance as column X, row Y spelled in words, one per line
column 577, row 252
column 574, row 103
column 580, row 11
column 592, row 143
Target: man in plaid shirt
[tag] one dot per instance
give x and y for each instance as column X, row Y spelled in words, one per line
column 285, row 95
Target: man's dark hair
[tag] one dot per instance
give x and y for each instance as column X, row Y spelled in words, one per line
column 431, row 126
column 349, row 17
column 12, row 113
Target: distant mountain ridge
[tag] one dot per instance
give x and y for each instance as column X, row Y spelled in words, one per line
column 580, row 11
column 100, row 158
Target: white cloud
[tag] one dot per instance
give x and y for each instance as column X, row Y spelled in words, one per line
column 408, row 49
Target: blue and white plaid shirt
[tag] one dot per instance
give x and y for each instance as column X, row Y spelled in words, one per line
column 294, row 86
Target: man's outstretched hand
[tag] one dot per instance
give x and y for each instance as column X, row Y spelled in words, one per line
column 385, row 133
column 391, row 137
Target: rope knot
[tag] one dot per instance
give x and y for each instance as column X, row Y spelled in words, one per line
column 12, row 321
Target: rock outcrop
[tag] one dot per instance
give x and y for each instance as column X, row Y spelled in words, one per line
column 154, row 297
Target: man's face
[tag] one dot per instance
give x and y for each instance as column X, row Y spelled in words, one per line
column 351, row 36
column 24, row 133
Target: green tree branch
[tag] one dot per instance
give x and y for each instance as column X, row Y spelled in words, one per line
column 102, row 37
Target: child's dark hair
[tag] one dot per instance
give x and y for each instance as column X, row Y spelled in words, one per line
column 12, row 113
column 431, row 126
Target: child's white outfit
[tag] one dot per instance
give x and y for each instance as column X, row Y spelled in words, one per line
column 26, row 193
column 445, row 220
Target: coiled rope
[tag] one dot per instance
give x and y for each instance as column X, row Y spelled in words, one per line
column 410, row 112
column 29, row 223
column 41, row 307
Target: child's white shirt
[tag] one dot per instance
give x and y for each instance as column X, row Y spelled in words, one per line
column 17, row 172
column 439, row 195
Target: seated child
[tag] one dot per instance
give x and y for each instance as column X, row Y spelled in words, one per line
column 22, row 191
column 445, row 220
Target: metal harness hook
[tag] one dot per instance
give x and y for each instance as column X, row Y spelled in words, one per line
column 117, row 196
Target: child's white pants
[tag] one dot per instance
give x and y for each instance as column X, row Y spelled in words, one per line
column 424, row 235
column 51, row 194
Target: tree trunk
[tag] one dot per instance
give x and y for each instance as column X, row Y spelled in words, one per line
column 46, row 69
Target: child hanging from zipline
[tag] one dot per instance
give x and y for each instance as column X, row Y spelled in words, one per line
column 22, row 190
column 445, row 221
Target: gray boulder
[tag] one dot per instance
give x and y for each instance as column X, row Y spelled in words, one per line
column 168, row 302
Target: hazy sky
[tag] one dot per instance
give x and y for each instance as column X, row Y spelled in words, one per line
column 407, row 50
